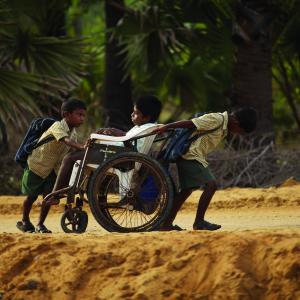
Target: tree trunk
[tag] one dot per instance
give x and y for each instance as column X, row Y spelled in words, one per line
column 4, row 139
column 252, row 77
column 252, row 83
column 117, row 91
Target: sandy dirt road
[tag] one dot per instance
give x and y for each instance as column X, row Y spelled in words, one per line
column 255, row 255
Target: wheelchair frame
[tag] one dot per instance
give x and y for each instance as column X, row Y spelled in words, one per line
column 75, row 220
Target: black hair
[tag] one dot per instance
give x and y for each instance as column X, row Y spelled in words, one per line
column 247, row 118
column 149, row 106
column 71, row 104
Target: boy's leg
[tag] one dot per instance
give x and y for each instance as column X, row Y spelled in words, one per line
column 200, row 223
column 25, row 225
column 193, row 174
column 45, row 207
column 179, row 199
column 61, row 181
column 65, row 170
column 43, row 215
column 205, row 198
column 31, row 187
column 27, row 205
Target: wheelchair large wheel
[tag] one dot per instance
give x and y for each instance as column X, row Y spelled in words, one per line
column 130, row 192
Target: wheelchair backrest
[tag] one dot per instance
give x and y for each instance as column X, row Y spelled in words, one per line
column 137, row 133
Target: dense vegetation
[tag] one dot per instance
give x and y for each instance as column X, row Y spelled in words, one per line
column 196, row 55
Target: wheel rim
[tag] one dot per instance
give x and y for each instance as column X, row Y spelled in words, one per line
column 130, row 193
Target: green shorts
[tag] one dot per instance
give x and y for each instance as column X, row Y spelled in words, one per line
column 34, row 185
column 193, row 174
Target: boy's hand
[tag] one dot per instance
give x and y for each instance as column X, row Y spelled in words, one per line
column 72, row 144
column 101, row 131
column 87, row 144
column 111, row 131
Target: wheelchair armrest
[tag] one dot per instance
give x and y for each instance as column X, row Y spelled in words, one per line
column 134, row 135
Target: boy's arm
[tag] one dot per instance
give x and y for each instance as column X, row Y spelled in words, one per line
column 174, row 125
column 73, row 144
column 203, row 123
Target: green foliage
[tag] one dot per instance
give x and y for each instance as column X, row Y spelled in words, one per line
column 37, row 60
column 86, row 18
column 286, row 66
column 182, row 50
column 17, row 94
column 178, row 50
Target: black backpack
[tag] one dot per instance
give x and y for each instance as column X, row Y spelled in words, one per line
column 181, row 141
column 37, row 127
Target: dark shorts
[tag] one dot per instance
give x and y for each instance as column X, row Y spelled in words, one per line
column 34, row 185
column 192, row 174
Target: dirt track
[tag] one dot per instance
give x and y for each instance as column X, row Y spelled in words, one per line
column 256, row 254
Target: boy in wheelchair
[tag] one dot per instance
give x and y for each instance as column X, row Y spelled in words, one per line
column 145, row 112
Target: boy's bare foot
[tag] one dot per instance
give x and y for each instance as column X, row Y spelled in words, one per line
column 42, row 229
column 25, row 226
column 204, row 225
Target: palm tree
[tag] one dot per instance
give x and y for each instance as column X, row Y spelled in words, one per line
column 169, row 53
column 161, row 36
column 35, row 65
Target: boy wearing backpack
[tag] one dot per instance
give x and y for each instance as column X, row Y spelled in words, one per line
column 44, row 161
column 193, row 168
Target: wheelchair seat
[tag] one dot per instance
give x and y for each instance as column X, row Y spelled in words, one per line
column 117, row 143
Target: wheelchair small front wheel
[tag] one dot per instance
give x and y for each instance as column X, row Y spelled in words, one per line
column 74, row 220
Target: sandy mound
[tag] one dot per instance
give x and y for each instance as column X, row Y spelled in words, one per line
column 262, row 262
column 287, row 195
column 184, row 265
column 283, row 196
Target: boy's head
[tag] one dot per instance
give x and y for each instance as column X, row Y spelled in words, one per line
column 73, row 111
column 146, row 110
column 242, row 120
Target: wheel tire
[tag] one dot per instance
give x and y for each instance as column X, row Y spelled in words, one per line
column 100, row 190
column 74, row 221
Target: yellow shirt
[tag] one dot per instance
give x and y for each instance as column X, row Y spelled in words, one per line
column 208, row 142
column 49, row 156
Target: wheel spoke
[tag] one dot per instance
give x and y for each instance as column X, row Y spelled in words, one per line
column 123, row 198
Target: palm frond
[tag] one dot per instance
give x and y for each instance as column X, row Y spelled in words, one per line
column 16, row 96
column 35, row 66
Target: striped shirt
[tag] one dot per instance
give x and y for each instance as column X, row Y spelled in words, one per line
column 205, row 144
column 49, row 156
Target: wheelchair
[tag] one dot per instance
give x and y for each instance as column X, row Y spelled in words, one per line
column 127, row 189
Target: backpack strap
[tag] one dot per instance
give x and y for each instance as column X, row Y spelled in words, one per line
column 44, row 141
column 196, row 136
